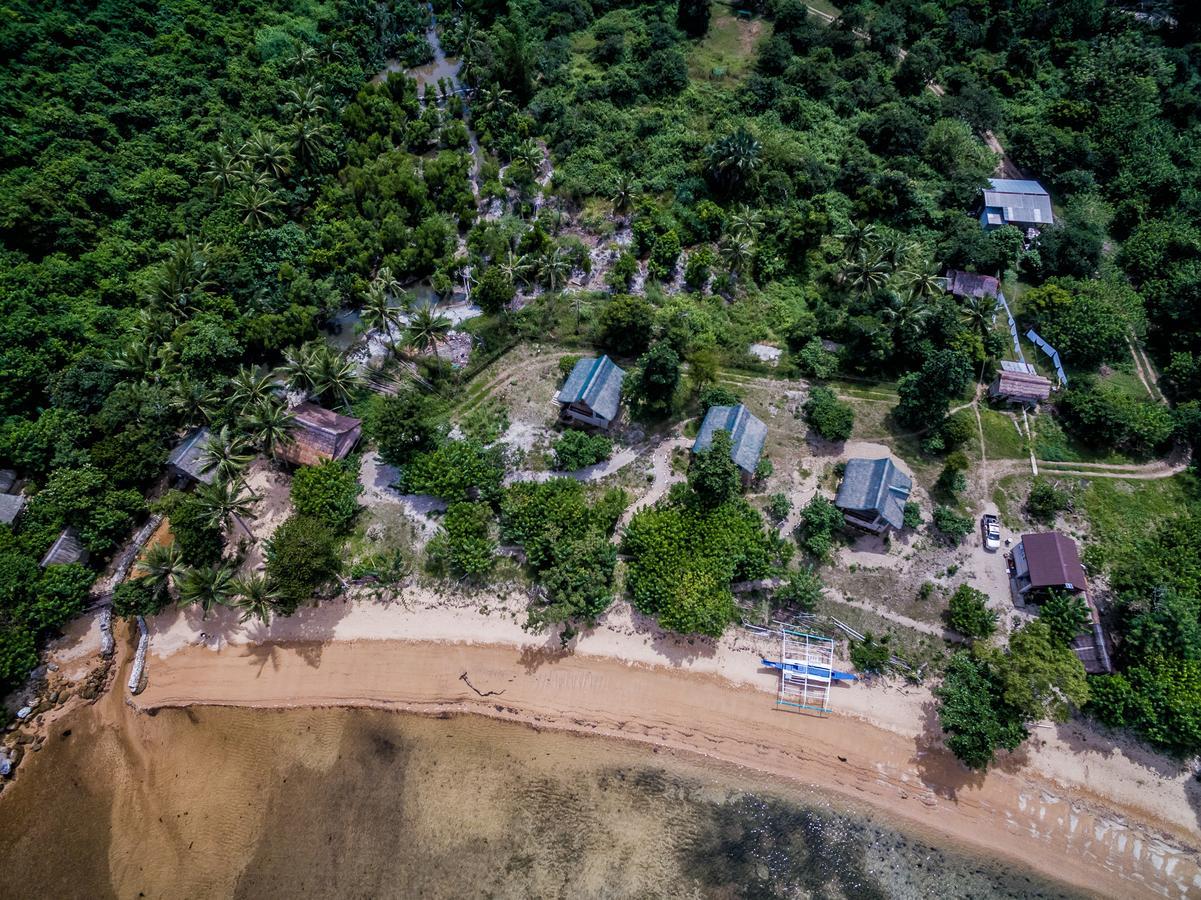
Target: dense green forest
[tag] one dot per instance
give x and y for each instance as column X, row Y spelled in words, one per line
column 189, row 191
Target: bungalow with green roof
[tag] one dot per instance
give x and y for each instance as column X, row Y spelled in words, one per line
column 592, row 393
column 747, row 436
column 873, row 493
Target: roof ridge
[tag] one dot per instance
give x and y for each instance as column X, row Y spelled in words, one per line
column 593, row 378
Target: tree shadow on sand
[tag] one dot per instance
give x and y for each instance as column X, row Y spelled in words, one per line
column 937, row 766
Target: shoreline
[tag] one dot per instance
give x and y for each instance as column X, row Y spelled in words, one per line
column 1070, row 833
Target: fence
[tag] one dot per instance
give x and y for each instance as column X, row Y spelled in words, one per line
column 1013, row 327
column 1046, row 348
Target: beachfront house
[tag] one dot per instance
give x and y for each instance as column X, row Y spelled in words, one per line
column 591, row 395
column 969, row 284
column 1046, row 562
column 320, row 434
column 1017, row 382
column 67, row 548
column 186, row 461
column 873, row 494
column 1008, row 201
column 747, row 436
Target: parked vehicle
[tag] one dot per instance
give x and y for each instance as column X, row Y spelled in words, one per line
column 990, row 526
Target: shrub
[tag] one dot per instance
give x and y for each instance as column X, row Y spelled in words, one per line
column 404, row 426
column 803, row 589
column 61, row 594
column 951, row 523
column 466, row 545
column 820, row 520
column 199, row 539
column 969, row 614
column 302, row 555
column 1045, row 501
column 328, row 492
column 815, row 361
column 829, row 416
column 576, row 449
column 138, row 597
column 457, row 470
column 1066, row 615
column 712, row 474
column 913, row 516
column 958, row 429
column 778, row 507
column 625, row 325
column 716, row 395
column 871, row 655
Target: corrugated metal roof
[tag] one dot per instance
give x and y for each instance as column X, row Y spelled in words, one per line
column 969, row 284
column 875, row 484
column 1053, row 560
column 67, row 548
column 1019, row 202
column 597, row 384
column 747, row 434
column 188, row 456
column 1021, row 386
column 10, row 507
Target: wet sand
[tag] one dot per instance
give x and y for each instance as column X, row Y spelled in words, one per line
column 1012, row 812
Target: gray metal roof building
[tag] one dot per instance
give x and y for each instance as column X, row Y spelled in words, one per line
column 67, row 548
column 10, row 507
column 1009, row 201
column 873, row 494
column 188, row 457
column 592, row 392
column 747, row 434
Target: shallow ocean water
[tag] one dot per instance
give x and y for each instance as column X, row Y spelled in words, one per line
column 360, row 803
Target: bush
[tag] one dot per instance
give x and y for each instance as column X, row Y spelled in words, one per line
column 302, row 555
column 778, row 507
column 61, row 595
column 405, row 425
column 815, row 361
column 803, row 589
column 829, row 416
column 457, row 470
column 969, row 614
column 625, row 325
column 466, row 545
column 199, row 539
column 328, row 492
column 1046, row 501
column 138, row 597
column 577, row 449
column 820, row 520
column 716, row 395
column 712, row 474
column 913, row 516
column 871, row 655
column 952, row 524
column 652, row 386
column 1066, row 615
column 958, row 429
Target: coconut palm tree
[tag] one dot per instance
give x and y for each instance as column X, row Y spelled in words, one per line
column 334, row 376
column 226, row 502
column 207, row 585
column 515, row 267
column 387, row 281
column 379, row 314
column 256, row 596
column 556, row 269
column 924, row 283
column 736, row 253
column 495, row 100
column 745, row 223
column 223, row 170
column 908, row 314
column 267, row 153
column 623, row 195
column 866, row 273
column 529, row 153
column 161, row 567
column 308, row 140
column 182, row 274
column 257, row 205
column 304, row 58
column 251, row 384
column 193, row 400
column 734, row 159
column 426, row 328
column 225, row 454
column 857, row 240
column 298, row 369
column 977, row 313
column 305, row 102
column 270, row 424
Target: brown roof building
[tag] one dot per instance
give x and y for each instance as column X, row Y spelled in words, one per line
column 969, row 284
column 320, row 434
column 1020, row 387
column 1046, row 561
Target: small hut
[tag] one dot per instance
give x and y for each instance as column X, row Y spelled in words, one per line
column 873, row 494
column 1025, row 388
column 67, row 548
column 747, row 436
column 592, row 393
column 320, row 434
column 187, row 459
column 10, row 507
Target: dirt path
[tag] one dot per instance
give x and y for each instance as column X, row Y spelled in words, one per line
column 904, row 621
column 1160, row 468
column 589, row 473
column 664, row 478
column 1145, row 371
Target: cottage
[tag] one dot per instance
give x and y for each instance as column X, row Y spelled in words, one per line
column 319, row 434
column 10, row 507
column 969, row 284
column 873, row 493
column 187, row 459
column 592, row 393
column 67, row 548
column 747, row 435
column 1024, row 204
column 1049, row 561
column 1026, row 388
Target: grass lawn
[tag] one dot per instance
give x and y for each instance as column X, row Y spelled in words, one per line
column 1053, row 444
column 1119, row 513
column 725, row 55
column 1001, row 439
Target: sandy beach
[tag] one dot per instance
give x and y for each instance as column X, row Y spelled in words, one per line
column 1112, row 820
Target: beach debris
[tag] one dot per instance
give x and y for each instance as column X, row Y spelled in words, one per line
column 24, row 712
column 6, row 765
column 467, row 681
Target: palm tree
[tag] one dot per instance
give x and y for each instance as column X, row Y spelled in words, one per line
column 305, row 102
column 736, row 253
column 226, row 502
column 256, row 597
column 978, row 313
column 924, row 283
column 495, row 99
column 258, row 205
column 308, row 140
column 207, row 585
column 426, row 328
column 734, row 159
column 529, row 153
column 623, row 194
column 299, row 368
column 745, row 223
column 866, row 273
column 267, row 153
column 515, row 267
column 161, row 567
column 334, row 376
column 183, row 274
column 857, row 240
column 387, row 281
column 908, row 314
column 379, row 314
column 251, row 384
column 135, row 359
column 270, row 425
column 193, row 400
column 223, row 170
column 225, row 454
column 305, row 57
column 556, row 269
